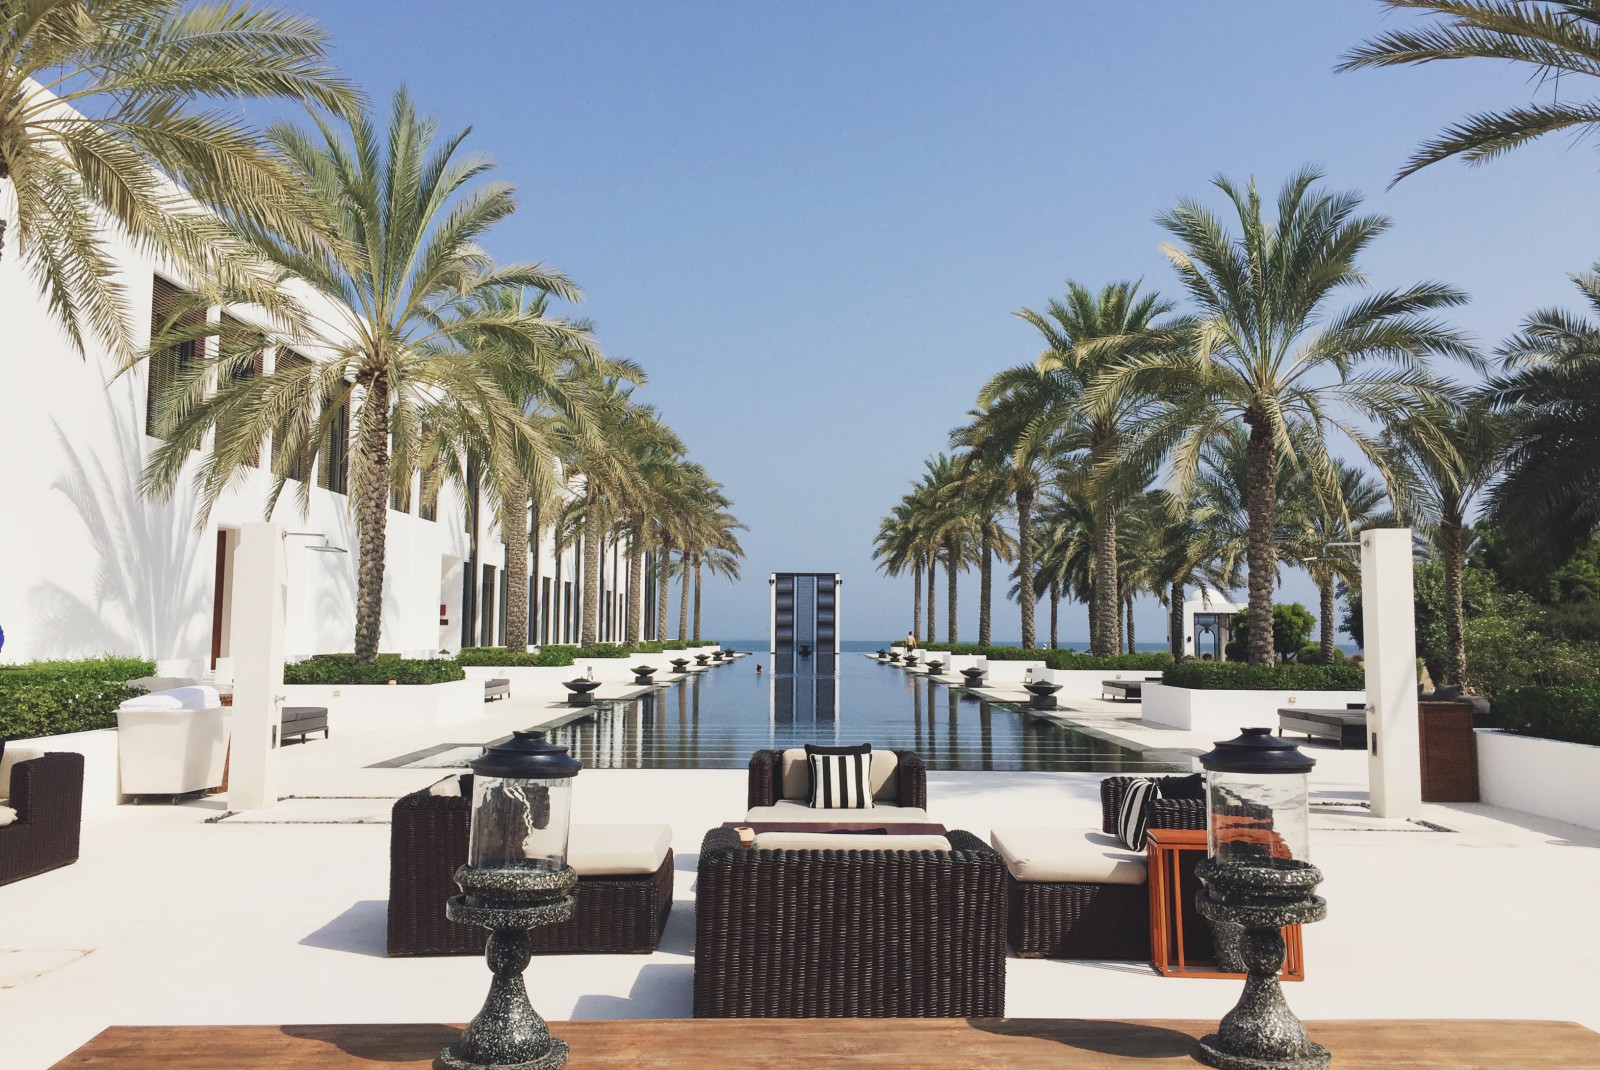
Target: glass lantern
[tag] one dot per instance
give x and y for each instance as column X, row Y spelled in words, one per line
column 1257, row 801
column 521, row 805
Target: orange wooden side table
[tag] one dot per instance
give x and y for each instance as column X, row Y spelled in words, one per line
column 1164, row 849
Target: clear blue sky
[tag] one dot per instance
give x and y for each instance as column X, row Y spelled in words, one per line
column 812, row 222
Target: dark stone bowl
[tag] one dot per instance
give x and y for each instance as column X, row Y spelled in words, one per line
column 680, row 665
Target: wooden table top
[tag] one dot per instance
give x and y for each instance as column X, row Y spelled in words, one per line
column 892, row 828
column 841, row 1044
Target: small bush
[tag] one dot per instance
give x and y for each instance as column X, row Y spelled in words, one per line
column 1057, row 659
column 1242, row 676
column 342, row 669
column 602, row 650
column 51, row 698
column 1570, row 714
column 1311, row 654
column 500, row 657
column 649, row 648
column 675, row 644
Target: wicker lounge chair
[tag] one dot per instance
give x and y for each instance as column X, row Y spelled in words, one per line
column 1087, row 898
column 46, row 793
column 780, row 783
column 616, row 913
column 849, row 933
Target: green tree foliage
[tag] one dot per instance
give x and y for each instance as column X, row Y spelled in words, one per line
column 1291, row 628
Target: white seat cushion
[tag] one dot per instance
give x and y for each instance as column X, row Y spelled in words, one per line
column 7, row 815
column 789, row 810
column 1038, row 854
column 828, row 841
column 10, row 758
column 794, row 775
column 618, row 850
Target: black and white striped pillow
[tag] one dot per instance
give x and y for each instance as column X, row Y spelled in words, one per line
column 1135, row 816
column 840, row 777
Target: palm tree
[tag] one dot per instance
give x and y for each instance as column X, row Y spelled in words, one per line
column 1266, row 348
column 896, row 549
column 985, row 495
column 1549, row 386
column 1086, row 335
column 102, row 102
column 1318, row 520
column 410, row 345
column 1063, row 552
column 1552, row 39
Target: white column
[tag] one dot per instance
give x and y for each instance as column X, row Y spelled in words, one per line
column 260, row 595
column 1394, row 761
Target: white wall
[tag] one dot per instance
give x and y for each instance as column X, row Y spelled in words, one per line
column 1224, row 713
column 1539, row 776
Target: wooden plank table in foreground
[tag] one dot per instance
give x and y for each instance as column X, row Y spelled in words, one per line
column 841, row 1044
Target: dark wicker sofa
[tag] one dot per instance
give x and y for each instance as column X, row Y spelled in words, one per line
column 1083, row 920
column 428, row 843
column 47, row 794
column 766, row 779
column 849, row 933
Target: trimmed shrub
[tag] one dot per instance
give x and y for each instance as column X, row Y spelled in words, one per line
column 602, row 650
column 675, row 644
column 1569, row 714
column 649, row 648
column 1057, row 659
column 500, row 657
column 51, row 698
column 342, row 669
column 1242, row 676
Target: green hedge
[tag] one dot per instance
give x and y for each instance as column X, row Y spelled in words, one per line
column 1571, row 714
column 1057, row 659
column 1242, row 676
column 342, row 669
column 51, row 698
column 498, row 657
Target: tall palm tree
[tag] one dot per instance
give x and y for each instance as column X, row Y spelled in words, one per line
column 985, row 495
column 103, row 101
column 1552, row 39
column 1267, row 349
column 1318, row 520
column 1086, row 335
column 1549, row 386
column 896, row 549
column 1064, row 551
column 409, row 344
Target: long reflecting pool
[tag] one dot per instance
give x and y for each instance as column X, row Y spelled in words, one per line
column 716, row 719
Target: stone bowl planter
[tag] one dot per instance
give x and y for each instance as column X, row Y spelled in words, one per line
column 680, row 665
column 894, row 659
column 582, row 691
column 935, row 667
column 974, row 676
column 909, row 659
column 642, row 674
column 702, row 659
column 883, row 655
column 1044, row 694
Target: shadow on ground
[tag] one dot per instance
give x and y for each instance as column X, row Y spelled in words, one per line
column 361, row 930
column 660, row 991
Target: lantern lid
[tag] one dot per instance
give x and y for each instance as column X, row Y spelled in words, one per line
column 526, row 756
column 1257, row 750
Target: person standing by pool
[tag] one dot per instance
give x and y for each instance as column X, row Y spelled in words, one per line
column 911, row 640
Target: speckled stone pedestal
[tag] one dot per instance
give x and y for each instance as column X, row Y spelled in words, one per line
column 1261, row 1032
column 508, row 1034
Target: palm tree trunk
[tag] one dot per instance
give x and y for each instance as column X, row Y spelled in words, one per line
column 515, row 528
column 916, row 600
column 985, row 579
column 951, row 574
column 636, row 583
column 697, row 597
column 683, row 597
column 558, row 606
column 1262, row 502
column 1131, row 647
column 593, row 533
column 1175, row 621
column 663, row 585
column 1454, row 610
column 1055, row 615
column 933, row 598
column 602, row 615
column 1025, row 562
column 372, row 514
column 1103, row 588
column 536, row 622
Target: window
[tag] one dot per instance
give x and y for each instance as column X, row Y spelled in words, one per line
column 566, row 612
column 167, row 311
column 544, row 610
column 333, row 459
column 486, row 627
column 400, row 498
column 287, row 358
column 236, row 333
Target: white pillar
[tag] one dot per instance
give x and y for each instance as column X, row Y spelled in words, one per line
column 1394, row 761
column 260, row 595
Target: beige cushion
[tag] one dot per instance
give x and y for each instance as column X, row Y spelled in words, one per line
column 448, row 788
column 827, row 841
column 795, row 775
column 618, row 850
column 11, row 757
column 789, row 810
column 1035, row 853
column 7, row 815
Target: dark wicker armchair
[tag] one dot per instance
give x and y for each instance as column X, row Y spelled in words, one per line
column 428, row 843
column 868, row 934
column 47, row 794
column 766, row 779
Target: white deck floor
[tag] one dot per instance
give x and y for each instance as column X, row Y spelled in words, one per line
column 169, row 920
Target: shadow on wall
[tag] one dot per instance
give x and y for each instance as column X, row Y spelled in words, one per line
column 139, row 589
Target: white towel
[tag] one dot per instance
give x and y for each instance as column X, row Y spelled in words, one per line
column 199, row 697
column 156, row 700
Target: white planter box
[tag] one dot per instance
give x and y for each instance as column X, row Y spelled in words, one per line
column 171, row 752
column 1539, row 776
column 99, row 750
column 1089, row 683
column 384, row 705
column 1226, row 712
column 1011, row 673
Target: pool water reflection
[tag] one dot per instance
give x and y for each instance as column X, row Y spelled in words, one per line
column 716, row 719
